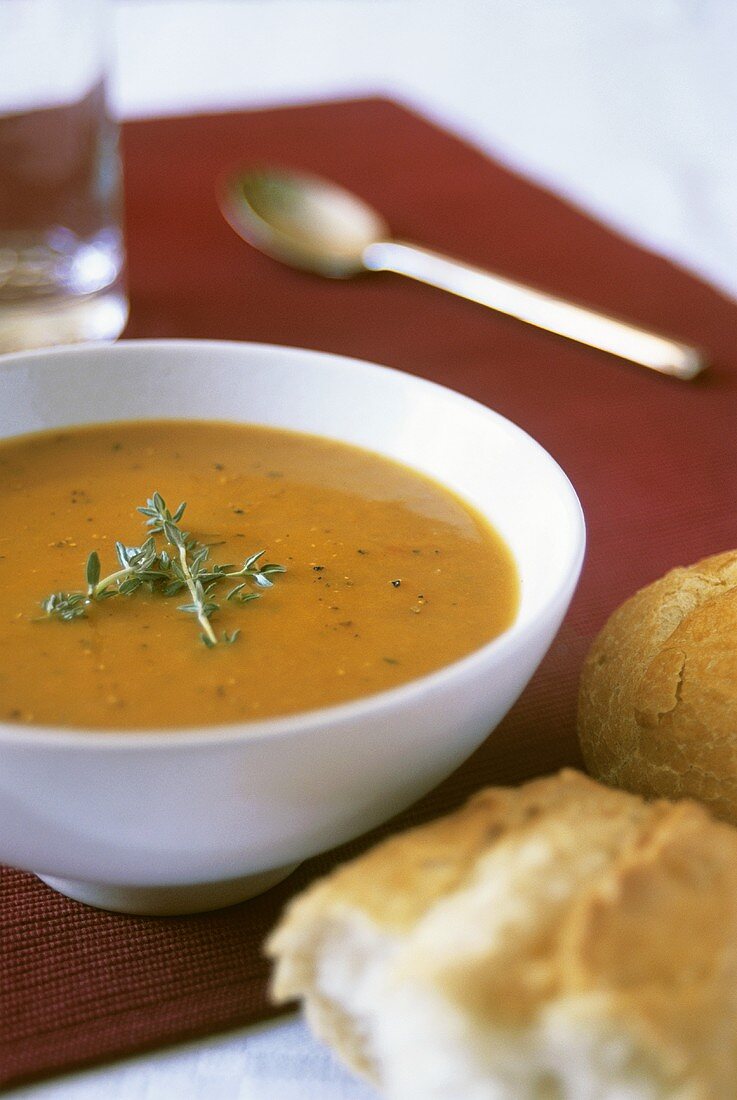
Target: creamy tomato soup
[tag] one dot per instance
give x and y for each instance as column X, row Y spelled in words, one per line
column 388, row 575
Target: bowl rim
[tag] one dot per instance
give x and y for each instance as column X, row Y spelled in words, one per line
column 513, row 639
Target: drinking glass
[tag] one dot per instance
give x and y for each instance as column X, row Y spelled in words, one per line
column 61, row 248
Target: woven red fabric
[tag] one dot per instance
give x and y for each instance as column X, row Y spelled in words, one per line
column 654, row 461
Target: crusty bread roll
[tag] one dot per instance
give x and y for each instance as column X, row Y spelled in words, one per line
column 658, row 697
column 563, row 940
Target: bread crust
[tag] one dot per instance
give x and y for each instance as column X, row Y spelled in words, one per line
column 563, row 908
column 657, row 707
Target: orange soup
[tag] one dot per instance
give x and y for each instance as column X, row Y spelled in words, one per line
column 387, row 575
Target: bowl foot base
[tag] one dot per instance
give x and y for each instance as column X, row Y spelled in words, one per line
column 167, row 901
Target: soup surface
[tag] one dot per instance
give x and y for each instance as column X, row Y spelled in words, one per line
column 388, row 575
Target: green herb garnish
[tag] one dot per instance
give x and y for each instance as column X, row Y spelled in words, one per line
column 185, row 566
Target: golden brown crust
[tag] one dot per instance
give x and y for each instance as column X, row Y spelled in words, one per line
column 659, row 934
column 558, row 834
column 658, row 695
column 563, row 897
column 396, row 882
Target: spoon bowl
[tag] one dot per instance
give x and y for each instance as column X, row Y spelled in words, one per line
column 302, row 220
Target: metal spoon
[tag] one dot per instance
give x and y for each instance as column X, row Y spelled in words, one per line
column 313, row 224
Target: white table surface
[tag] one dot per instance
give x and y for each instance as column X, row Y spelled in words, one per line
column 629, row 108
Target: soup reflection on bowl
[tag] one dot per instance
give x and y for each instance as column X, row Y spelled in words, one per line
column 255, row 600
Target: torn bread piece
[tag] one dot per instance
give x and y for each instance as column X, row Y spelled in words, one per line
column 561, row 940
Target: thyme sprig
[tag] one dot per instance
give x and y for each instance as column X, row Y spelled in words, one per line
column 182, row 564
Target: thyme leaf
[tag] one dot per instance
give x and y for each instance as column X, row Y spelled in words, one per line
column 65, row 605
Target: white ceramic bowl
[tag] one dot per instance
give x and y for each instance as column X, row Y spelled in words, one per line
column 163, row 822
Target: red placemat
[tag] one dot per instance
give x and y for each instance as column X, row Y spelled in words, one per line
column 654, row 462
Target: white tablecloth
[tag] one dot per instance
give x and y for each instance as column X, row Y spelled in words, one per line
column 629, row 108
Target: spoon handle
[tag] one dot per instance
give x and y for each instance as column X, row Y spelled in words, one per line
column 638, row 345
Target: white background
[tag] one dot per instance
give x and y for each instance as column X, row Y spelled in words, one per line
column 627, row 106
